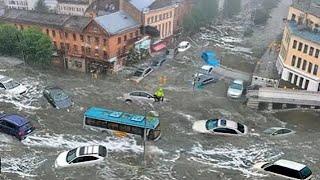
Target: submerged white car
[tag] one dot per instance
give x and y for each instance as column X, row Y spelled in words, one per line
column 235, row 89
column 183, row 46
column 278, row 131
column 138, row 96
column 286, row 169
column 220, row 127
column 81, row 156
column 11, row 86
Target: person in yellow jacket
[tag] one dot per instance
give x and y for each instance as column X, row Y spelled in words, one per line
column 159, row 95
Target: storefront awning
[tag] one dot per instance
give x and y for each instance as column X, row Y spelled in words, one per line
column 159, row 47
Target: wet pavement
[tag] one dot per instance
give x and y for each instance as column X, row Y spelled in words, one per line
column 179, row 154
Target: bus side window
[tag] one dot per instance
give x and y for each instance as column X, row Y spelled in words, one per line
column 124, row 128
column 113, row 126
column 137, row 130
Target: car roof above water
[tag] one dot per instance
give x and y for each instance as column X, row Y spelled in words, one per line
column 290, row 164
column 4, row 79
column 15, row 119
column 238, row 81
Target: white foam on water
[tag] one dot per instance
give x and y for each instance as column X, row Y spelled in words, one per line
column 235, row 158
column 67, row 141
column 151, row 149
column 3, row 70
column 23, row 166
column 187, row 116
column 29, row 99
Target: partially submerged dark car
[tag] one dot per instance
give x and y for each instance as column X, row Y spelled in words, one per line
column 158, row 61
column 57, row 97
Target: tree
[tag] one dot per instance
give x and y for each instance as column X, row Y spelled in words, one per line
column 41, row 6
column 9, row 42
column 36, row 47
column 231, row 8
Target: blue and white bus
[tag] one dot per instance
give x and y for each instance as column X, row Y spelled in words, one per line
column 110, row 120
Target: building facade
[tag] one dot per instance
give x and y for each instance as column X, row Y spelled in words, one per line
column 21, row 4
column 156, row 13
column 299, row 58
column 73, row 7
column 85, row 44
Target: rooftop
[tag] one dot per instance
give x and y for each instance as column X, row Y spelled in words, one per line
column 303, row 32
column 121, row 117
column 73, row 23
column 16, row 119
column 104, row 7
column 150, row 4
column 309, row 6
column 290, row 164
column 117, row 22
column 32, row 17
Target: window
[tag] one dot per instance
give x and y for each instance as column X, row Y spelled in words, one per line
column 170, row 14
column 55, row 44
column 88, row 50
column 311, row 51
column 89, row 39
column 294, row 45
column 96, row 52
column 53, row 33
column 124, row 128
column 156, row 18
column 290, row 77
column 137, row 33
column 300, row 46
column 66, row 35
column 293, row 61
column 67, row 46
column 75, row 48
column 82, row 49
column 74, row 36
column 299, row 63
column 317, row 53
column 48, row 32
column 148, row 21
column 97, row 40
column 301, row 81
column 81, row 38
column 304, row 64
column 225, row 130
column 137, row 130
column 113, row 126
column 309, row 67
column 105, row 55
column 119, row 40
column 104, row 42
column 125, row 38
column 305, row 49
column 62, row 45
column 131, row 35
column 160, row 17
column 315, row 69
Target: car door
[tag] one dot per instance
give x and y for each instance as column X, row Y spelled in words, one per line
column 279, row 171
column 145, row 96
column 8, row 127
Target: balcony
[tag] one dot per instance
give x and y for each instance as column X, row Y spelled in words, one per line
column 304, row 32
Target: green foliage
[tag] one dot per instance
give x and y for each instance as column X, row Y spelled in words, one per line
column 231, row 8
column 36, row 47
column 9, row 44
column 204, row 12
column 135, row 57
column 41, row 7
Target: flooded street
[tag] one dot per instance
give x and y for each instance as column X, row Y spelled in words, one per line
column 181, row 153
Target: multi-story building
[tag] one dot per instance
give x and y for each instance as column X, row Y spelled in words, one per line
column 155, row 13
column 299, row 58
column 73, row 7
column 21, row 4
column 86, row 44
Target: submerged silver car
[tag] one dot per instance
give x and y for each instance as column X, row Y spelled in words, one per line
column 140, row 73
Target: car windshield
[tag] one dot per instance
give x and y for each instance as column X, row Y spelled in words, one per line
column 71, row 155
column 240, row 127
column 305, row 172
column 270, row 130
column 236, row 86
column 212, row 123
column 11, row 84
column 139, row 72
column 58, row 94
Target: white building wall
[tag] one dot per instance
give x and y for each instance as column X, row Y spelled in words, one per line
column 72, row 9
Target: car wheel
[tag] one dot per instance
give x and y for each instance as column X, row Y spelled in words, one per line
column 128, row 101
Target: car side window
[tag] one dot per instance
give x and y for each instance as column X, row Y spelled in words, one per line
column 284, row 131
column 148, row 70
column 291, row 173
column 143, row 94
column 10, row 125
column 275, row 169
column 225, row 130
column 135, row 94
column 2, row 86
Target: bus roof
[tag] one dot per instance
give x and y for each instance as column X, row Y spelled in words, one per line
column 121, row 117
